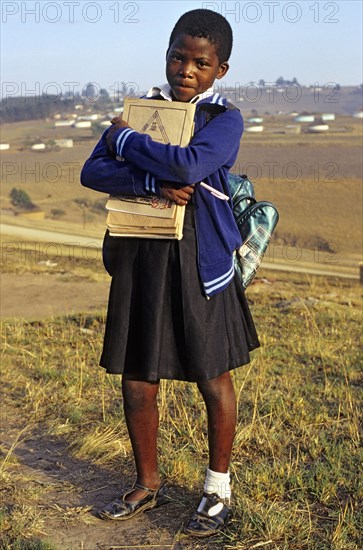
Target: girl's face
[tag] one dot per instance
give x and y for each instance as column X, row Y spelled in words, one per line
column 192, row 65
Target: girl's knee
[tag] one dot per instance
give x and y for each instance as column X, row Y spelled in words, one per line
column 137, row 393
column 217, row 388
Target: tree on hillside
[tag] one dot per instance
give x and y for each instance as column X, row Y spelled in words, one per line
column 104, row 95
column 20, row 199
column 90, row 91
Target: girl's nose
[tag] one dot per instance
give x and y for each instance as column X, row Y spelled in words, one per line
column 185, row 70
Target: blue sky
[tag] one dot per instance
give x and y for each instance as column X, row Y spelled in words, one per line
column 63, row 44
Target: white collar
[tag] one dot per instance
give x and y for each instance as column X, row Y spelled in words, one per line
column 165, row 91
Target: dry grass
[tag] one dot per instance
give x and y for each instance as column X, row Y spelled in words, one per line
column 297, row 453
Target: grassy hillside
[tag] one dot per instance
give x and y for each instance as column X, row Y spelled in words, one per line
column 297, row 453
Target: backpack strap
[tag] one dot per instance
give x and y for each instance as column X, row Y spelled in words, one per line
column 212, row 110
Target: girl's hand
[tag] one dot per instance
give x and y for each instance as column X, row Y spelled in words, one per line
column 179, row 196
column 117, row 123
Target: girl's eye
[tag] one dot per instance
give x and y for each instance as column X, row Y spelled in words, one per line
column 202, row 64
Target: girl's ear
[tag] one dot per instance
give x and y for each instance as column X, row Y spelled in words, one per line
column 223, row 69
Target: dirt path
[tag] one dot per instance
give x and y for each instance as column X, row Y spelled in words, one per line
column 46, row 295
column 336, row 269
column 72, row 490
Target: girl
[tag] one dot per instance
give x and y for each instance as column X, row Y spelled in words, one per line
column 176, row 310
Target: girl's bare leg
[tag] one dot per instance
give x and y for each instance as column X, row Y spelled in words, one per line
column 142, row 419
column 220, row 400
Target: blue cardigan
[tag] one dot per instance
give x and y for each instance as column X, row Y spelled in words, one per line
column 209, row 156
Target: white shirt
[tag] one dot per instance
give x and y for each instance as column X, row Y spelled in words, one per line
column 165, row 91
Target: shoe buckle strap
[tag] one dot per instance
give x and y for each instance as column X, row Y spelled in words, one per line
column 138, row 485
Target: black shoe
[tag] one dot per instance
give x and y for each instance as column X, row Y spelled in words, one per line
column 121, row 509
column 202, row 524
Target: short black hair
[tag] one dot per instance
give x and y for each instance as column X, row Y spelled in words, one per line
column 207, row 24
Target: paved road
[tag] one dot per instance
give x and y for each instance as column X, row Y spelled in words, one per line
column 92, row 242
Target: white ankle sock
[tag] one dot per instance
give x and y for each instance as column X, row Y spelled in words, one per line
column 216, row 482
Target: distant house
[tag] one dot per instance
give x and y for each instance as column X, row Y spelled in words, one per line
column 327, row 117
column 4, row 146
column 318, row 128
column 64, row 143
column 83, row 124
column 305, row 118
column 254, row 129
column 95, row 116
column 38, row 146
column 63, row 123
column 255, row 120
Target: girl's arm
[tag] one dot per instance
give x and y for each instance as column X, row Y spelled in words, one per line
column 213, row 147
column 103, row 172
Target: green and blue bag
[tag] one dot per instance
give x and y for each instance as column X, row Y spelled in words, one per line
column 256, row 221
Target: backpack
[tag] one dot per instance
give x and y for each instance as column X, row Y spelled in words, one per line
column 256, row 221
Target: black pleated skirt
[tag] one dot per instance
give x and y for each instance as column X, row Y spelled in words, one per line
column 159, row 323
